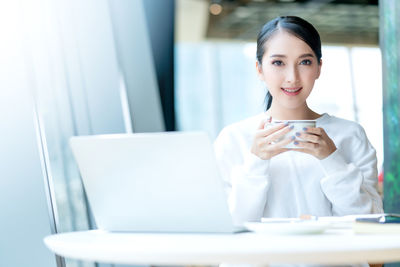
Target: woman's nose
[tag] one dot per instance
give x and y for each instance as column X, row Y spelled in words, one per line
column 292, row 75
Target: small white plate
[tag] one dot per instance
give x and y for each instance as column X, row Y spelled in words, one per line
column 288, row 228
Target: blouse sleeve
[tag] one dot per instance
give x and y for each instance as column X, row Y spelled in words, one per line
column 245, row 178
column 351, row 185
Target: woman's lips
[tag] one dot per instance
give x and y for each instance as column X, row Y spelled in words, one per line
column 291, row 91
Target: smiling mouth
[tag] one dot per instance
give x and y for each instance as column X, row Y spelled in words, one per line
column 292, row 91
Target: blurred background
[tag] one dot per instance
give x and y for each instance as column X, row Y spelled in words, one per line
column 72, row 67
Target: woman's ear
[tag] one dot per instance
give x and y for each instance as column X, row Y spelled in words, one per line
column 319, row 69
column 259, row 71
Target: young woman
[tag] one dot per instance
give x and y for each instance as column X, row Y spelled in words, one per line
column 331, row 172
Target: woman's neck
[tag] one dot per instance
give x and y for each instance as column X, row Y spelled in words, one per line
column 301, row 113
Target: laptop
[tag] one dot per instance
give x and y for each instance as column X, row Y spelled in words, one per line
column 153, row 182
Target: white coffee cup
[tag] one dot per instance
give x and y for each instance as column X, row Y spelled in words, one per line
column 298, row 126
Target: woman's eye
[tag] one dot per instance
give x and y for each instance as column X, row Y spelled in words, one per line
column 305, row 62
column 277, row 63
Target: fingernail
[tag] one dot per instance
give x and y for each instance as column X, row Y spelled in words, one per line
column 305, row 129
column 295, row 142
column 291, row 127
column 297, row 134
column 293, row 137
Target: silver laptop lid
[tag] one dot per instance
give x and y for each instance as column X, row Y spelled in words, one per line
column 153, row 182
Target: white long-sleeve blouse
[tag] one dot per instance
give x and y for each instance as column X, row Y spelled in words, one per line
column 295, row 183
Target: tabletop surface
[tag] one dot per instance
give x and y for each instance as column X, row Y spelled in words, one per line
column 332, row 247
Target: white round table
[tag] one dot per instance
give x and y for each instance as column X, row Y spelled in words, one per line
column 333, row 247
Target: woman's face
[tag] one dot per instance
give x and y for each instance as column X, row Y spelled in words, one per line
column 289, row 69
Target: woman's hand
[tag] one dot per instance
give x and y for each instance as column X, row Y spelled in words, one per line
column 316, row 142
column 264, row 143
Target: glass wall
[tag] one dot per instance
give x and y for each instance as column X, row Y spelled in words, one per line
column 76, row 89
column 390, row 45
column 23, row 200
column 88, row 69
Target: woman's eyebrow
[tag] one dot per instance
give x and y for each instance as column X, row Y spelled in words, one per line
column 306, row 55
column 277, row 55
column 302, row 56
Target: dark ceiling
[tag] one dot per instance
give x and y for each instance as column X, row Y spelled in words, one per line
column 338, row 22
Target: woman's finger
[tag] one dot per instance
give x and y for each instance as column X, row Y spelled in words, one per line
column 270, row 129
column 306, row 145
column 264, row 121
column 309, row 137
column 312, row 130
column 280, row 145
column 279, row 134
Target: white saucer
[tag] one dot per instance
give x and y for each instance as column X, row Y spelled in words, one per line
column 288, row 228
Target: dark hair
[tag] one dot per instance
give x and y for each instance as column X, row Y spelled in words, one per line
column 294, row 25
